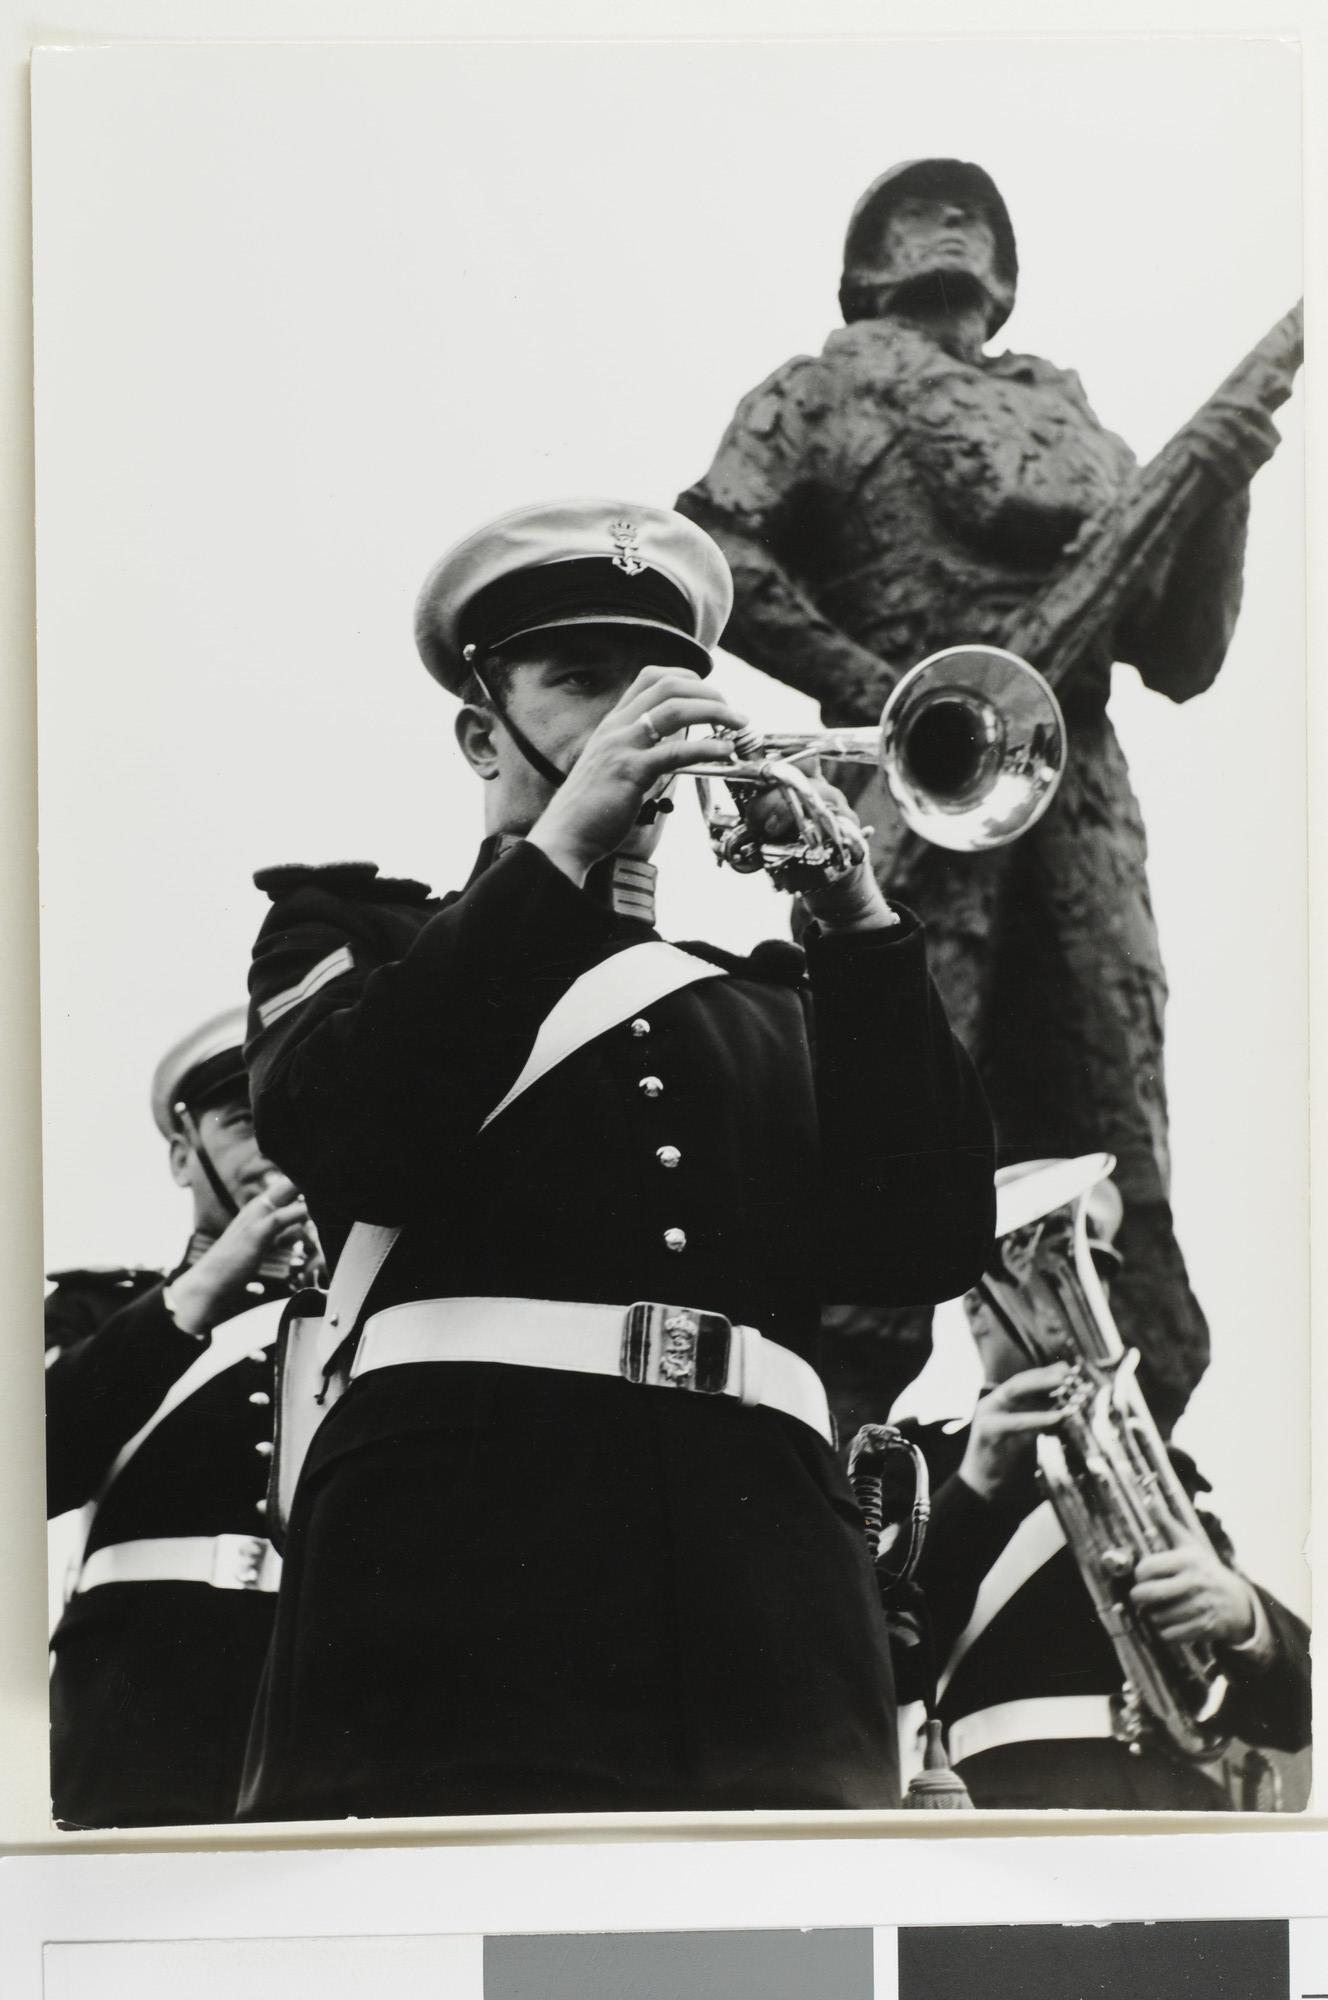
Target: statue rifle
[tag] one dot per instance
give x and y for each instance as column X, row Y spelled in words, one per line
column 1115, row 554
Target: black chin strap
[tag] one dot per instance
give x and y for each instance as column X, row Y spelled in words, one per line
column 535, row 758
column 538, row 762
column 189, row 1126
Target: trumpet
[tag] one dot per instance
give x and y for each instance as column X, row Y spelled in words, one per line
column 301, row 1264
column 971, row 744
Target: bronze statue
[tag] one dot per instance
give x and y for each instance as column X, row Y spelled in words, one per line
column 904, row 491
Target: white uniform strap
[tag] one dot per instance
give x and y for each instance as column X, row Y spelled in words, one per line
column 608, row 993
column 1044, row 1718
column 248, row 1333
column 599, row 999
column 363, row 1256
column 1034, row 1542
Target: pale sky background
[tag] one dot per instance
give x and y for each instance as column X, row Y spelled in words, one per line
column 304, row 315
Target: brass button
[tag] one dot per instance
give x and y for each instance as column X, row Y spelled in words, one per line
column 264, row 1447
column 668, row 1156
column 640, row 1026
column 260, row 1506
column 261, row 1398
column 256, row 1286
column 675, row 1239
column 650, row 1086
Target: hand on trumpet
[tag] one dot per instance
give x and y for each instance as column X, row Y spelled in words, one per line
column 627, row 754
column 828, row 863
column 266, row 1229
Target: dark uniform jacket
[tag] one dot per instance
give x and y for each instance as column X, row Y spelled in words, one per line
column 514, row 1588
column 153, row 1683
column 1047, row 1641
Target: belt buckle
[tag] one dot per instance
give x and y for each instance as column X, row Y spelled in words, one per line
column 676, row 1347
column 237, row 1562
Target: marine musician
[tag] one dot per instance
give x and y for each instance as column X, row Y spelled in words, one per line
column 575, row 1537
column 159, row 1420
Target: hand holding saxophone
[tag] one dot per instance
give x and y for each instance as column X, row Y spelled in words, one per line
column 1006, row 1424
column 1187, row 1592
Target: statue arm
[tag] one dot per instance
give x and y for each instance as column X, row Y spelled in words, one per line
column 1177, row 631
column 1179, row 642
column 757, row 500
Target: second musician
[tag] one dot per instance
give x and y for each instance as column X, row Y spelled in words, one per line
column 159, row 1411
column 1031, row 1688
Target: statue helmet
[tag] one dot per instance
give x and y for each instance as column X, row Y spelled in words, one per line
column 863, row 282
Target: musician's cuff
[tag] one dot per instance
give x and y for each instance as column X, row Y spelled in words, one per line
column 200, row 1334
column 828, row 946
column 1256, row 1651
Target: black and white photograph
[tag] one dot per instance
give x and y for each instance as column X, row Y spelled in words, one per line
column 672, row 761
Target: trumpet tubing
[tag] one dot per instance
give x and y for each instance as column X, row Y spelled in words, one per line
column 971, row 744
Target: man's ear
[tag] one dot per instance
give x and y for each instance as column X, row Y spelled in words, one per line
column 475, row 732
column 182, row 1159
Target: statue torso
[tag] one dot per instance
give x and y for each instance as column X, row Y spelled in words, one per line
column 937, row 493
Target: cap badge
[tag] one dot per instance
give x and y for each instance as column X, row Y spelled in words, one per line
column 627, row 556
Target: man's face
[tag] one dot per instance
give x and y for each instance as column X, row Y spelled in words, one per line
column 557, row 692
column 227, row 1131
column 1001, row 1355
column 925, row 235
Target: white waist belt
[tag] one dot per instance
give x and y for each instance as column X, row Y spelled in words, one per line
column 227, row 1562
column 1050, row 1718
column 666, row 1347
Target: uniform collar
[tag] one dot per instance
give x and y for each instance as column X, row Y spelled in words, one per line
column 275, row 1270
column 620, row 882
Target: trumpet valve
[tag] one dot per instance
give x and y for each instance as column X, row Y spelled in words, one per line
column 736, row 849
column 749, row 744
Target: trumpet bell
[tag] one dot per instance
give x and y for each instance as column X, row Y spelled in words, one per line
column 972, row 745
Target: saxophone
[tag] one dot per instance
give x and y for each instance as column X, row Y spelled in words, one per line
column 1104, row 1466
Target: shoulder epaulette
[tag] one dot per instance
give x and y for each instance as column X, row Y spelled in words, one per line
column 114, row 1277
column 357, row 879
column 779, row 961
column 775, row 961
column 1188, row 1472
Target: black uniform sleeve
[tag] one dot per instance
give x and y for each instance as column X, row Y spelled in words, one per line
column 965, row 1534
column 964, row 1537
column 1269, row 1700
column 906, row 1137
column 101, row 1390
column 375, row 1055
column 1270, row 1705
column 82, row 1301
